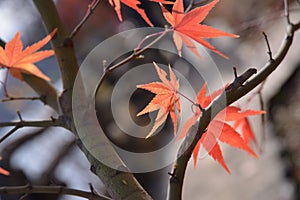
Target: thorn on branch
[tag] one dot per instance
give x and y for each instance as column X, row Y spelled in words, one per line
column 268, row 46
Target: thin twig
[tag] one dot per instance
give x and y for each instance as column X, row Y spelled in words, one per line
column 9, row 133
column 60, row 190
column 268, row 46
column 22, row 123
column 43, row 123
column 91, row 7
column 134, row 54
column 286, row 11
column 10, row 98
column 19, row 115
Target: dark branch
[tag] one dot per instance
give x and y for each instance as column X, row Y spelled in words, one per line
column 10, row 98
column 89, row 12
column 28, row 189
column 240, row 80
column 43, row 123
column 9, row 133
column 20, row 124
column 232, row 93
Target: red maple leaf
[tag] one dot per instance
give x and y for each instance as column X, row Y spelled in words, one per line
column 134, row 4
column 245, row 126
column 218, row 130
column 166, row 99
column 186, row 27
column 18, row 61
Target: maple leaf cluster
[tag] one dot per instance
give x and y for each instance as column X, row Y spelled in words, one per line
column 186, row 26
column 167, row 101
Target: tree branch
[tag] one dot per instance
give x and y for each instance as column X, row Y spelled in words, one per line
column 28, row 189
column 22, row 123
column 10, row 98
column 62, row 45
column 43, row 123
column 228, row 96
column 120, row 184
column 88, row 13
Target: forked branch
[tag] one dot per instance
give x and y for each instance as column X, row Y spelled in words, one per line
column 228, row 96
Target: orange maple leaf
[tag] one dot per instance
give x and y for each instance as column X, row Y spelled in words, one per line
column 3, row 171
column 18, row 61
column 218, row 129
column 245, row 126
column 134, row 4
column 186, row 27
column 166, row 99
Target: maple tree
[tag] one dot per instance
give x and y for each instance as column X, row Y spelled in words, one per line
column 19, row 61
column 229, row 124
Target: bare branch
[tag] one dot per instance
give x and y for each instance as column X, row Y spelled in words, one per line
column 230, row 95
column 91, row 7
column 20, row 124
column 10, row 98
column 44, row 123
column 60, row 190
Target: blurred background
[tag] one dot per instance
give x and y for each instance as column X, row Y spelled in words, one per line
column 51, row 157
